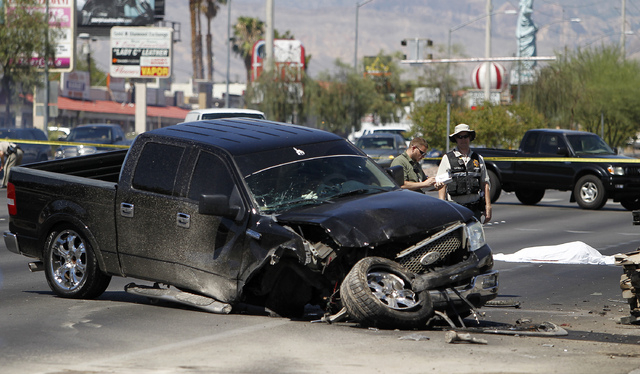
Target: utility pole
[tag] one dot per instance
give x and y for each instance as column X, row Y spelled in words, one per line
column 226, row 97
column 487, row 46
column 46, row 73
column 268, row 63
column 623, row 33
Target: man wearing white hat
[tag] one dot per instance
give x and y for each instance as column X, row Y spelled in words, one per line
column 469, row 183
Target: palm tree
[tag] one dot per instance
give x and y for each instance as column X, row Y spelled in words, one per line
column 194, row 7
column 210, row 9
column 246, row 32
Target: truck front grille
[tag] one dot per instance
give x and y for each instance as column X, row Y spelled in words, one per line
column 444, row 251
column 632, row 170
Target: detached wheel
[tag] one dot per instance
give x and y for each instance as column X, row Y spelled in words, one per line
column 496, row 187
column 71, row 267
column 377, row 292
column 589, row 192
column 631, row 204
column 530, row 196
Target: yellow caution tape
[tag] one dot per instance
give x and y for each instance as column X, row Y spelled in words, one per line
column 556, row 159
column 565, row 159
column 48, row 142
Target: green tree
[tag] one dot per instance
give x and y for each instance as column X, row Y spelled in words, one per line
column 338, row 98
column 501, row 126
column 196, row 38
column 383, row 70
column 210, row 9
column 496, row 126
column 280, row 98
column 430, row 122
column 587, row 87
column 246, row 32
column 24, row 33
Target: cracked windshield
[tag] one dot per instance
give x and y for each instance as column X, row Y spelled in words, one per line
column 316, row 181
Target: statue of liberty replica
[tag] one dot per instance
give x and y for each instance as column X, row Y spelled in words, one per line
column 522, row 72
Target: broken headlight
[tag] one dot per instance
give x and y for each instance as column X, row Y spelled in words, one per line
column 475, row 235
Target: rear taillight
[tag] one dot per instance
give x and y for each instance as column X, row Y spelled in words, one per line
column 11, row 199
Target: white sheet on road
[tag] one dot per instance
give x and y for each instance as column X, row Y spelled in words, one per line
column 568, row 253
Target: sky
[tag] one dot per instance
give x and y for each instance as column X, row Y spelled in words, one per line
column 327, row 29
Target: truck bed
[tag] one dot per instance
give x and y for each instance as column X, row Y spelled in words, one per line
column 102, row 166
column 83, row 188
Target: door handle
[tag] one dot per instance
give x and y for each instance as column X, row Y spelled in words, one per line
column 183, row 220
column 126, row 210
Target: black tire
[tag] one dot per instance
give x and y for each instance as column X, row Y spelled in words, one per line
column 631, row 204
column 377, row 292
column 71, row 267
column 589, row 192
column 530, row 196
column 496, row 187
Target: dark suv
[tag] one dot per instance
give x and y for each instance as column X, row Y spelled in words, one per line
column 382, row 147
column 91, row 135
column 32, row 152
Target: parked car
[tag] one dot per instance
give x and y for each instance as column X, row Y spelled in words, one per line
column 91, row 134
column 382, row 147
column 271, row 215
column 215, row 113
column 32, row 152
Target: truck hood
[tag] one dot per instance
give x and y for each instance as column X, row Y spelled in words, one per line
column 374, row 219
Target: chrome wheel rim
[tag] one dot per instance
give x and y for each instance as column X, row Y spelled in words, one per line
column 589, row 192
column 68, row 260
column 390, row 290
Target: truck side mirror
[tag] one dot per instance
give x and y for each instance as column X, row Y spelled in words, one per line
column 397, row 174
column 218, row 205
column 563, row 151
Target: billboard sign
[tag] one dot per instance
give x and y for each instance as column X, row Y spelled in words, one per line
column 62, row 16
column 141, row 52
column 288, row 55
column 96, row 17
column 75, row 85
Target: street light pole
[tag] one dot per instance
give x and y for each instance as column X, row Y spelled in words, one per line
column 355, row 49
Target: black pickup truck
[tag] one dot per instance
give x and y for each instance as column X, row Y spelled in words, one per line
column 565, row 160
column 246, row 214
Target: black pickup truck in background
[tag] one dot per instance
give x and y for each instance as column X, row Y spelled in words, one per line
column 565, row 160
column 233, row 214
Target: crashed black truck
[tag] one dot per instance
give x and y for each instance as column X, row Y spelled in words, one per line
column 232, row 214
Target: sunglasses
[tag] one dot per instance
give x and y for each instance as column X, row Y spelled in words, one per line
column 462, row 136
column 422, row 153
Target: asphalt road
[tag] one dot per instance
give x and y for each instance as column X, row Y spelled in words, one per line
column 122, row 333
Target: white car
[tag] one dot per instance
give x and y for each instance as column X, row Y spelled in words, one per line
column 213, row 113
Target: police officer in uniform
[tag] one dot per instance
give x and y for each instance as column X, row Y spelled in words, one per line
column 414, row 177
column 469, row 184
column 10, row 156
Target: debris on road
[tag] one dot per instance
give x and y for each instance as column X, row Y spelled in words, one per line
column 416, row 337
column 454, row 337
column 503, row 303
column 630, row 284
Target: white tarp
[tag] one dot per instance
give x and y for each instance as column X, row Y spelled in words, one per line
column 568, row 253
